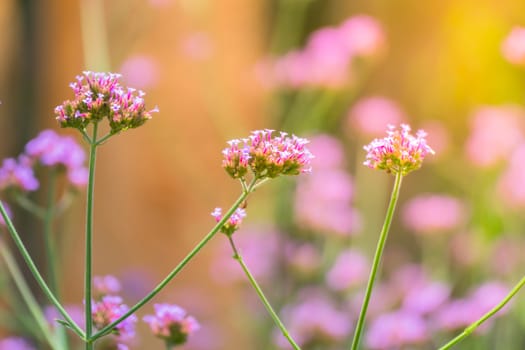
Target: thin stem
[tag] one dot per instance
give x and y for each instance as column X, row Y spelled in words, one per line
column 27, row 296
column 485, row 317
column 377, row 259
column 179, row 267
column 261, row 295
column 36, row 274
column 89, row 237
column 30, row 206
column 103, row 139
column 52, row 266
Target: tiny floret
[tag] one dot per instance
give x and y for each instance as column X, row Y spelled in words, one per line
column 267, row 156
column 233, row 223
column 399, row 152
column 99, row 96
column 172, row 324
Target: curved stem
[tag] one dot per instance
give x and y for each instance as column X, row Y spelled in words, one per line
column 178, row 268
column 377, row 259
column 36, row 274
column 27, row 296
column 261, row 295
column 89, row 237
column 485, row 317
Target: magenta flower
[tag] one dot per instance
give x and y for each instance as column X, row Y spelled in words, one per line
column 513, row 47
column 15, row 343
column 172, row 324
column 99, row 96
column 399, row 152
column 105, row 285
column 267, row 156
column 18, row 174
column 109, row 309
column 350, row 269
column 233, row 223
column 433, row 213
column 396, row 330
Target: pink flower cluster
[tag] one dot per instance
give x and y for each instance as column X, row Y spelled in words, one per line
column 172, row 324
column 15, row 343
column 372, row 114
column 267, row 156
column 99, row 96
column 399, row 152
column 108, row 307
column 233, row 223
column 513, row 46
column 48, row 149
column 326, row 60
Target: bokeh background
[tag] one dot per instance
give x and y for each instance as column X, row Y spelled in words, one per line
column 216, row 71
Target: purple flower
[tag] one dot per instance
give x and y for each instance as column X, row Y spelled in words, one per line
column 18, row 174
column 99, row 96
column 267, row 156
column 15, row 343
column 75, row 311
column 109, row 309
column 105, row 285
column 371, row 115
column 233, row 223
column 171, row 323
column 399, row 152
column 350, row 269
column 396, row 330
column 433, row 213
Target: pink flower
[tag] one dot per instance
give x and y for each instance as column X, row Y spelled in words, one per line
column 99, row 96
column 140, row 71
column 426, row 298
column 171, row 323
column 396, row 330
column 399, row 152
column 496, row 131
column 511, row 185
column 105, row 285
column 15, row 343
column 437, row 136
column 233, row 223
column 108, row 310
column 18, row 174
column 513, row 46
column 349, row 270
column 328, row 150
column 363, row 35
column 433, row 213
column 267, row 156
column 372, row 115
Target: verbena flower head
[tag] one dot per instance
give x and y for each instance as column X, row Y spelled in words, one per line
column 99, row 96
column 171, row 323
column 109, row 309
column 399, row 152
column 267, row 156
column 233, row 223
column 18, row 174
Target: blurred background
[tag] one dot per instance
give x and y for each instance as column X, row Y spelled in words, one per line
column 334, row 71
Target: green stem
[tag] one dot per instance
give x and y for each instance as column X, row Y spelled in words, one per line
column 27, row 296
column 30, row 206
column 89, row 237
column 377, row 259
column 179, row 267
column 485, row 317
column 36, row 274
column 237, row 256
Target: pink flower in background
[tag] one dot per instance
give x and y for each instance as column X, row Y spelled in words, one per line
column 108, row 310
column 363, row 35
column 495, row 132
column 513, row 47
column 17, row 174
column 140, row 71
column 313, row 316
column 350, row 269
column 258, row 247
column 75, row 311
column 328, row 150
column 372, row 115
column 399, row 152
column 433, row 213
column 15, row 343
column 323, row 203
column 422, row 300
column 511, row 184
column 105, row 285
column 304, row 259
column 197, row 46
column 396, row 330
column 326, row 60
